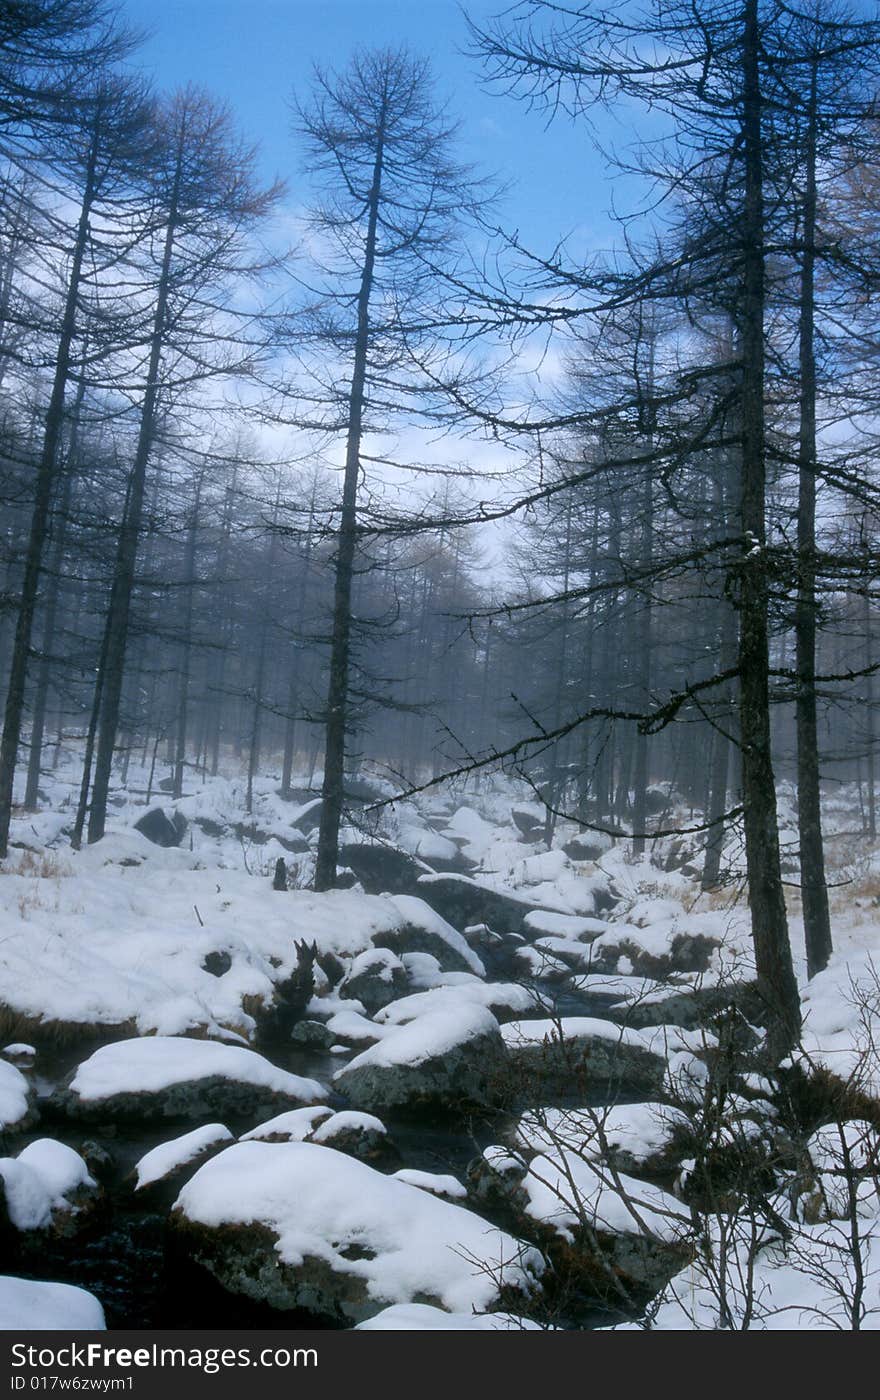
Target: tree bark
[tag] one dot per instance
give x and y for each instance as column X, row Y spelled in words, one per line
column 340, row 648
column 814, row 894
column 775, row 975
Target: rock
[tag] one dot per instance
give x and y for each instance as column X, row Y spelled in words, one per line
column 313, row 1033
column 529, row 819
column 47, row 1187
column 360, row 1135
column 382, row 869
column 18, row 1110
column 295, row 1225
column 685, row 952
column 375, row 978
column 100, row 1162
column 635, row 1137
column 255, row 835
column 156, row 827
column 603, row 1227
column 308, row 817
column 464, row 901
column 422, row 930
column 217, row 964
column 448, row 1057
column 418, row 1317
column 167, row 1077
column 576, row 1053
column 279, row 879
column 589, row 845
column 160, row 1173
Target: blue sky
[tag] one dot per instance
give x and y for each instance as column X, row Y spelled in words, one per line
column 254, row 53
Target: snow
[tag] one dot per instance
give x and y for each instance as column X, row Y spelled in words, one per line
column 809, row 1285
column 318, row 1201
column 13, row 1096
column 295, row 1126
column 510, row 995
column 27, row 1306
column 38, row 1181
column 168, row 1156
column 348, row 1120
column 430, row 1035
column 154, row 1063
column 567, row 926
column 567, row 1192
column 117, row 945
column 641, row 1130
column 418, row 1317
column 437, row 1184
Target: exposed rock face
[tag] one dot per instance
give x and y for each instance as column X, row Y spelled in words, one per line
column 375, row 978
column 157, row 827
column 295, row 1225
column 463, row 901
column 381, row 869
column 440, row 1059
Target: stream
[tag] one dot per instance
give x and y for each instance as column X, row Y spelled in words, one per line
column 122, row 1255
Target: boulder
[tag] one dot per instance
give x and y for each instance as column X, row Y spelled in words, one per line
column 295, row 1225
column 422, row 930
column 161, row 830
column 447, row 1057
column 464, row 901
column 382, row 869
column 46, row 1188
column 375, row 978
column 170, row 1077
column 575, row 1053
column 160, row 1173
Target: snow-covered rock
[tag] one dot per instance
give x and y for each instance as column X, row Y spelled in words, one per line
column 573, row 1052
column 447, row 1056
column 172, row 1077
column 28, row 1306
column 375, row 978
column 17, row 1109
column 301, row 1226
column 165, row 1163
column 47, row 1186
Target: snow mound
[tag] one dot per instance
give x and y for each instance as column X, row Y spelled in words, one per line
column 14, row 1097
column 27, row 1306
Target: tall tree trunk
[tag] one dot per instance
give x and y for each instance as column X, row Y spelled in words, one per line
column 814, row 894
column 340, row 647
column 183, row 688
column 46, row 471
column 775, row 975
column 126, row 555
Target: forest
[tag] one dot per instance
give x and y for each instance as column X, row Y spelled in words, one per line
column 439, row 728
